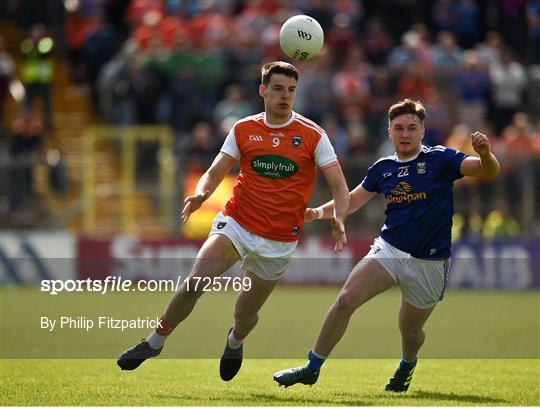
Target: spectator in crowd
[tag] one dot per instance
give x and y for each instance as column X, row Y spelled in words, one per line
column 472, row 87
column 7, row 74
column 447, row 60
column 490, row 51
column 341, row 37
column 356, row 130
column 351, row 83
column 99, row 46
column 518, row 148
column 437, row 124
column 149, row 31
column 243, row 55
column 208, row 28
column 354, row 9
column 447, row 55
column 412, row 52
column 444, row 15
column 507, row 81
column 414, row 81
column 467, row 22
column 233, row 107
column 535, row 141
column 37, row 71
column 487, row 190
column 138, row 9
column 500, row 224
column 203, row 145
column 253, row 17
column 460, row 139
column 514, row 25
column 172, row 27
column 26, row 142
column 423, row 32
column 113, row 87
column 57, row 176
column 382, row 94
column 211, row 72
column 377, row 42
column 145, row 86
column 78, row 22
column 317, row 86
column 337, row 134
column 533, row 23
column 323, row 11
column 180, row 68
column 270, row 39
column 475, row 226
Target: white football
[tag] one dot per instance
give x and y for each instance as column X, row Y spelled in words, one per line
column 301, row 37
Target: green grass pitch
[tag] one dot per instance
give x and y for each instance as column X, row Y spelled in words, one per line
column 482, row 348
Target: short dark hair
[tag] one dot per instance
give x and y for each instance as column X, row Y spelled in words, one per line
column 277, row 67
column 407, row 107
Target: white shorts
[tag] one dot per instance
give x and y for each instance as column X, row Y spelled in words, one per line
column 264, row 257
column 422, row 282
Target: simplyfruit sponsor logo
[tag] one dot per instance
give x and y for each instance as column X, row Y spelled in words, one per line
column 272, row 166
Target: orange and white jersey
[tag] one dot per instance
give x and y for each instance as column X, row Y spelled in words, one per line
column 278, row 165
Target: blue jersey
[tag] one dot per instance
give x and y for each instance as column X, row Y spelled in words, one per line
column 419, row 199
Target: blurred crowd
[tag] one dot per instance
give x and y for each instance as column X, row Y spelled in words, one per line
column 195, row 65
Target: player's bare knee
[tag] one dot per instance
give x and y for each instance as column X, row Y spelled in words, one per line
column 192, row 292
column 345, row 304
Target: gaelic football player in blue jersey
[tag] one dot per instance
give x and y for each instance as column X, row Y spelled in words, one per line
column 413, row 248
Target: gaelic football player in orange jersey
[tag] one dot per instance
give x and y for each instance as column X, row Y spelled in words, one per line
column 279, row 153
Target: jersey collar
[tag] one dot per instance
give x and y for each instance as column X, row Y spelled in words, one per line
column 293, row 116
column 408, row 160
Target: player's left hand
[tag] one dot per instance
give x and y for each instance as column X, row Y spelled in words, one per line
column 338, row 231
column 193, row 203
column 310, row 214
column 480, row 143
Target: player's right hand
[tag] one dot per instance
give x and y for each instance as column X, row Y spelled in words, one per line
column 338, row 231
column 480, row 143
column 193, row 203
column 310, row 214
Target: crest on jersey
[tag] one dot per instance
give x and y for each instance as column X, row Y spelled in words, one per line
column 402, row 188
column 296, row 141
column 421, row 167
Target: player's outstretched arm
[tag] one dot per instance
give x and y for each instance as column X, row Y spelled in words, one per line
column 207, row 184
column 358, row 197
column 486, row 165
column 340, row 192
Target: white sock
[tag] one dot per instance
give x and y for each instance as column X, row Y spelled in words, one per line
column 233, row 342
column 319, row 355
column 155, row 340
